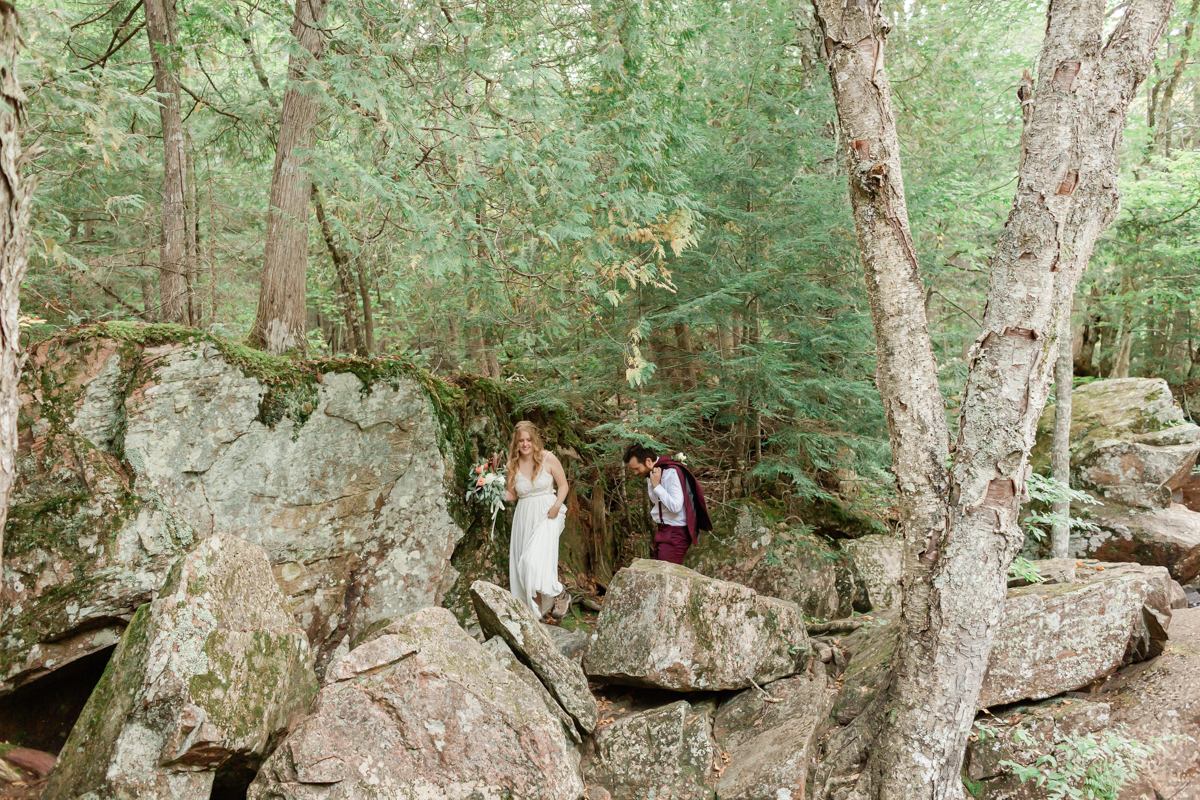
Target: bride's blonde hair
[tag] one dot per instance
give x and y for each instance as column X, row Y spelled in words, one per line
column 535, row 437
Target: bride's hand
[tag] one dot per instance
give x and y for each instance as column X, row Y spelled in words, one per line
column 553, row 512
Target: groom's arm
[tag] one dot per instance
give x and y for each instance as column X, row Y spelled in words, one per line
column 670, row 491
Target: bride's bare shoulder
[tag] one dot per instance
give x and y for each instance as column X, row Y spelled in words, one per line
column 549, row 458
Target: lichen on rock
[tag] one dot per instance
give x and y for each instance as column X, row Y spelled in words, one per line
column 214, row 669
column 666, row 753
column 782, row 561
column 668, row 627
column 424, row 710
column 140, row 440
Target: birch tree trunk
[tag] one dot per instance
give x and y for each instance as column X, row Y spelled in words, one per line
column 1060, row 445
column 961, row 527
column 172, row 275
column 16, row 195
column 280, row 322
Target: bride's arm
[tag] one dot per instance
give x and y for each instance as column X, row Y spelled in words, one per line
column 552, row 463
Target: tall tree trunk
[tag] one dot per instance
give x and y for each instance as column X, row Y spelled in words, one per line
column 725, row 340
column 1060, row 444
column 192, row 247
column 279, row 324
column 493, row 360
column 16, row 195
column 1120, row 367
column 960, row 527
column 683, row 344
column 347, row 290
column 1089, row 338
column 598, row 539
column 172, row 278
column 364, row 290
column 1181, row 333
column 1162, row 120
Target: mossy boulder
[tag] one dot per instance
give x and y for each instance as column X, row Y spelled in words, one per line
column 502, row 615
column 1160, row 537
column 214, row 669
column 1053, row 638
column 667, row 627
column 1021, row 736
column 771, row 739
column 1130, row 441
column 1156, row 702
column 1063, row 637
column 664, row 753
column 871, row 650
column 423, row 711
column 498, row 649
column 139, row 441
column 880, row 561
column 780, row 560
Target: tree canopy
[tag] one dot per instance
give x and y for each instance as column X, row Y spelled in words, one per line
column 633, row 210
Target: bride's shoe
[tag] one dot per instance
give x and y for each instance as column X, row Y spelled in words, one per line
column 562, row 605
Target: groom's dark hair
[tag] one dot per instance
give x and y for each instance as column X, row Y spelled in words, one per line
column 638, row 451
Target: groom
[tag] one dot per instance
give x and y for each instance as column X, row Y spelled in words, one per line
column 677, row 502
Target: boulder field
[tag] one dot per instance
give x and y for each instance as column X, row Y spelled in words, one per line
column 261, row 555
column 736, row 702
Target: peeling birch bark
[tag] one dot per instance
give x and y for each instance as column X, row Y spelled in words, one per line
column 964, row 526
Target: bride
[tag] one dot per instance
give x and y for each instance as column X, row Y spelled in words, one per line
column 538, row 521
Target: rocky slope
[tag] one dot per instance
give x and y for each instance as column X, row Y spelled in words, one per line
column 134, row 449
column 282, row 535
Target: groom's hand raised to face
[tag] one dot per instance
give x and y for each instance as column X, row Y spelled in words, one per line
column 656, row 476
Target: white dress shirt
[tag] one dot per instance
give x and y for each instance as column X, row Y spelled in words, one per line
column 666, row 499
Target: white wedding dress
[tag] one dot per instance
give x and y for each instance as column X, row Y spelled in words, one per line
column 533, row 554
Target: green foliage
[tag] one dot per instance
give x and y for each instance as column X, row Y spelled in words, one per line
column 637, row 213
column 1025, row 570
column 1045, row 492
column 1091, row 767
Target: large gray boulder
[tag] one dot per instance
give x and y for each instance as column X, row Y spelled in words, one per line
column 1130, row 441
column 1052, row 638
column 502, row 615
column 1063, row 637
column 498, row 649
column 664, row 753
column 871, row 650
column 668, row 627
column 1022, row 736
column 770, row 742
column 1161, row 537
column 879, row 560
column 781, row 561
column 423, row 711
column 214, row 669
column 137, row 442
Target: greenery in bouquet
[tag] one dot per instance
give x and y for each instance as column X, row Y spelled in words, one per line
column 485, row 486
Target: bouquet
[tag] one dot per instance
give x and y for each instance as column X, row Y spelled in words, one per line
column 485, row 486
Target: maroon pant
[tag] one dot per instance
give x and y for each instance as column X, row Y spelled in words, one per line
column 671, row 543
